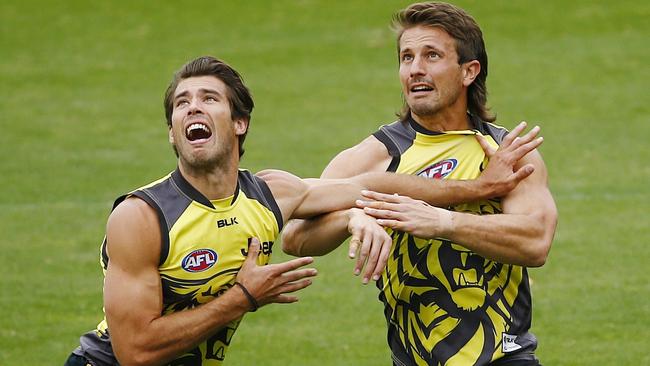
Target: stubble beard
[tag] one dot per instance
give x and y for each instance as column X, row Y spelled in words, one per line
column 200, row 163
column 426, row 108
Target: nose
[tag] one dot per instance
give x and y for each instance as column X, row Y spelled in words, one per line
column 194, row 107
column 417, row 67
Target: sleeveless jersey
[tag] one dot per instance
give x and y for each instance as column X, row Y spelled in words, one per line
column 444, row 304
column 204, row 244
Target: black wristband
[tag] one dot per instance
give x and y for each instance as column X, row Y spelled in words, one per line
column 251, row 299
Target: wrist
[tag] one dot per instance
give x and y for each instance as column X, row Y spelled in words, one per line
column 252, row 303
column 480, row 189
column 445, row 222
column 352, row 212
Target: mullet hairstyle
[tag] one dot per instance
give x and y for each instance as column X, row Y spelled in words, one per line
column 239, row 97
column 469, row 46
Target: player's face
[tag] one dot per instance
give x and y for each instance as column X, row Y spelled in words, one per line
column 429, row 71
column 203, row 130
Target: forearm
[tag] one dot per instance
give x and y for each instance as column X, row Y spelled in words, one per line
column 436, row 192
column 168, row 336
column 507, row 238
column 317, row 236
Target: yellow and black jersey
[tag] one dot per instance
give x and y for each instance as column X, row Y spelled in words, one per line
column 444, row 304
column 204, row 244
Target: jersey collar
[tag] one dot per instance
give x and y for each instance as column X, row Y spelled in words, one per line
column 193, row 193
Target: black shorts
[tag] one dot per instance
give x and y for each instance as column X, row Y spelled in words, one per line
column 75, row 360
column 517, row 359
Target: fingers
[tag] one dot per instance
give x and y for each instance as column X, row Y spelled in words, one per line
column 384, row 252
column 299, row 274
column 282, row 298
column 354, row 246
column 512, row 135
column 487, row 149
column 522, row 173
column 253, row 252
column 382, row 214
column 389, row 198
column 292, row 264
column 253, row 249
column 393, row 224
column 527, row 147
column 295, row 286
column 371, row 264
column 513, row 147
column 366, row 245
column 528, row 136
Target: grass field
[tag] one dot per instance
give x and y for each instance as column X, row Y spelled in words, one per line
column 82, row 122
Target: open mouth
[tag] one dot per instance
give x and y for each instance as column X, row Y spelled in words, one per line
column 197, row 131
column 421, row 88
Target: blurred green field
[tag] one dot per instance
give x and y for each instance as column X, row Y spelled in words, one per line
column 82, row 121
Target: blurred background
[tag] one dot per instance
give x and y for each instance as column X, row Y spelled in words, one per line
column 82, row 122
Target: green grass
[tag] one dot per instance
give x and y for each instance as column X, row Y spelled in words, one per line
column 82, row 121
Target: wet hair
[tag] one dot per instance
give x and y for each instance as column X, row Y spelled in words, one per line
column 239, row 97
column 469, row 46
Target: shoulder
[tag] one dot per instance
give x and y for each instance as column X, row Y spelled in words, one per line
column 369, row 155
column 272, row 175
column 133, row 232
column 133, row 210
column 282, row 183
column 288, row 191
column 491, row 129
column 397, row 136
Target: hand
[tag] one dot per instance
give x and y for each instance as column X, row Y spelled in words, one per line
column 270, row 283
column 499, row 177
column 402, row 213
column 375, row 244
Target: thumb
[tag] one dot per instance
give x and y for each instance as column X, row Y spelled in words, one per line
column 487, row 149
column 354, row 246
column 253, row 250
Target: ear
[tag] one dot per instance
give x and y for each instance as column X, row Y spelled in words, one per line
column 171, row 135
column 241, row 126
column 470, row 71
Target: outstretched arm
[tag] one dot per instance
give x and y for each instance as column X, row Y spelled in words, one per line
column 305, row 199
column 140, row 335
column 522, row 235
column 321, row 235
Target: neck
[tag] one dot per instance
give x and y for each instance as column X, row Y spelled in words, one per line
column 450, row 118
column 216, row 182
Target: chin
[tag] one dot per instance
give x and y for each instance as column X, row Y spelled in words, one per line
column 424, row 110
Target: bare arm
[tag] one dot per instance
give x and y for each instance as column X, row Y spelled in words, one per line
column 302, row 199
column 323, row 234
column 320, row 235
column 140, row 335
column 522, row 235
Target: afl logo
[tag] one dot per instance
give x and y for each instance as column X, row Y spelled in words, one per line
column 199, row 260
column 440, row 169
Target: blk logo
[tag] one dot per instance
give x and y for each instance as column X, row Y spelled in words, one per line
column 199, row 260
column 227, row 222
column 439, row 170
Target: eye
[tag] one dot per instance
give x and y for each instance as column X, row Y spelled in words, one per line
column 181, row 102
column 433, row 55
column 210, row 98
column 407, row 57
